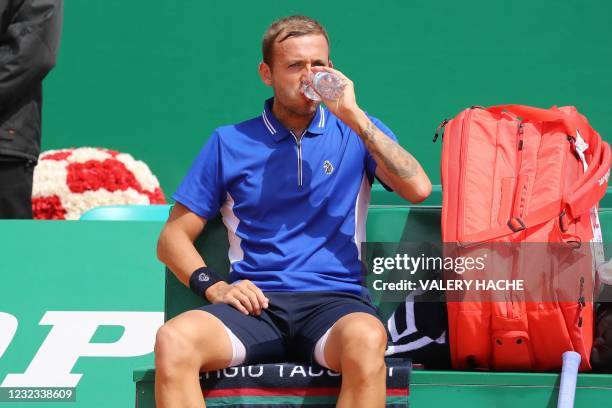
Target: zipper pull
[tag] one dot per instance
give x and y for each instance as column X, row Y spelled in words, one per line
column 440, row 127
column 520, row 133
column 581, row 298
column 581, row 302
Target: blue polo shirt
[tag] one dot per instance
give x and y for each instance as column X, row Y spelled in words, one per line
column 294, row 208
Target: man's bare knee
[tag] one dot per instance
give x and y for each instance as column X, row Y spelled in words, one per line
column 194, row 340
column 173, row 351
column 357, row 341
column 363, row 351
column 366, row 339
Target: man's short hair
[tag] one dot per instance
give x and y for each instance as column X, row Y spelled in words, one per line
column 287, row 27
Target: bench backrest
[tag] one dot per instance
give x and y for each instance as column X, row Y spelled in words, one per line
column 385, row 224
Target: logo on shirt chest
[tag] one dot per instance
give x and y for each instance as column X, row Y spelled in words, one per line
column 328, row 168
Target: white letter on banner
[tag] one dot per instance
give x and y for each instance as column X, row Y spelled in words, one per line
column 69, row 339
column 8, row 328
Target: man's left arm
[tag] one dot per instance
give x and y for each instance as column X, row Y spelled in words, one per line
column 395, row 167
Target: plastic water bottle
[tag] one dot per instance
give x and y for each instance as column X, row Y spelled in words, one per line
column 328, row 85
column 569, row 375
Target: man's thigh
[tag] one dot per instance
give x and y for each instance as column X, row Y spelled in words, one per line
column 197, row 335
column 326, row 309
column 262, row 340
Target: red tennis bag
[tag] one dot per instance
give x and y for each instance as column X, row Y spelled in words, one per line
column 518, row 174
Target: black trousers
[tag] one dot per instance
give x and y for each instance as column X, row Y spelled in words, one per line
column 16, row 189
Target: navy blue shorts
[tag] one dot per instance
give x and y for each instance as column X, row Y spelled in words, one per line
column 290, row 327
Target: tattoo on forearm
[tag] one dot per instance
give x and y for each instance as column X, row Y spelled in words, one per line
column 397, row 160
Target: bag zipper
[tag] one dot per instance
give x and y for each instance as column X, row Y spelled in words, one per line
column 462, row 153
column 519, row 162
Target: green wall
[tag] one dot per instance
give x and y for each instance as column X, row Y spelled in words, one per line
column 154, row 78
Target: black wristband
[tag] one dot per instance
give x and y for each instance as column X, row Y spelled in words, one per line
column 202, row 279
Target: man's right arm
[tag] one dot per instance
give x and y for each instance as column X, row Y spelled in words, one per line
column 175, row 248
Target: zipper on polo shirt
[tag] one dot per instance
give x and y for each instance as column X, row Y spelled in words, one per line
column 298, row 141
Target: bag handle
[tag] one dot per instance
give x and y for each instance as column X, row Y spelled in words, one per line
column 569, row 123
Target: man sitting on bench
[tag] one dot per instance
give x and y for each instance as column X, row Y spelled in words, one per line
column 292, row 185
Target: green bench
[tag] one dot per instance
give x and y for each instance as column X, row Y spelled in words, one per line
column 427, row 388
